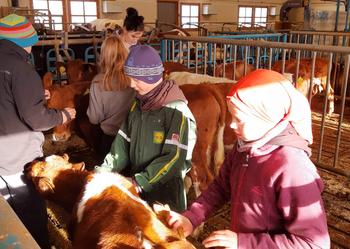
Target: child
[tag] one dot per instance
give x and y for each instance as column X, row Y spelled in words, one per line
column 155, row 143
column 110, row 96
column 273, row 187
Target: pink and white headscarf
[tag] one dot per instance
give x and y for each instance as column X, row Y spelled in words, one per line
column 272, row 101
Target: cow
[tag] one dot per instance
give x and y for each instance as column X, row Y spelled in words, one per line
column 232, row 71
column 106, row 209
column 65, row 96
column 182, row 78
column 170, row 66
column 208, row 105
column 302, row 83
column 76, row 70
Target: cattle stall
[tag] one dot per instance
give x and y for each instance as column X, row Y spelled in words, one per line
column 331, row 131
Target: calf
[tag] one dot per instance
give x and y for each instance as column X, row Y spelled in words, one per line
column 65, row 96
column 232, row 71
column 303, row 84
column 77, row 70
column 107, row 212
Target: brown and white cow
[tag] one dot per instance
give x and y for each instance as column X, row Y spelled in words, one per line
column 303, row 83
column 182, row 78
column 107, row 212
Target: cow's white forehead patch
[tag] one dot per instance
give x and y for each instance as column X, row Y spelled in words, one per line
column 98, row 184
column 51, row 158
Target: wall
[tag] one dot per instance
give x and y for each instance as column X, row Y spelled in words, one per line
column 146, row 8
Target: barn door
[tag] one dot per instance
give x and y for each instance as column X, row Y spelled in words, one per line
column 167, row 13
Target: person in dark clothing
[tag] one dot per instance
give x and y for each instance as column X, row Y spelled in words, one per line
column 23, row 118
column 155, row 142
column 268, row 177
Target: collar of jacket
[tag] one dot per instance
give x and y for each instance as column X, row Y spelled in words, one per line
column 12, row 48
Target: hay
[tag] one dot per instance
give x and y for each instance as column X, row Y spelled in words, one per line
column 58, row 220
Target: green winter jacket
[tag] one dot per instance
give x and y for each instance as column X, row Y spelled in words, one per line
column 155, row 148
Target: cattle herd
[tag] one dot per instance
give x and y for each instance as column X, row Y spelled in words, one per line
column 56, row 178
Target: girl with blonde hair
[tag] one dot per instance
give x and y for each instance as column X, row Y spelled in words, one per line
column 110, row 95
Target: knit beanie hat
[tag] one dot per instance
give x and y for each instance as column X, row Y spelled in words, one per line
column 19, row 30
column 144, row 63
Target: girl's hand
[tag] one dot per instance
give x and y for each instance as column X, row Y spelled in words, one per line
column 177, row 221
column 222, row 238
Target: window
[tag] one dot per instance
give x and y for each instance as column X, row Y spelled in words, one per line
column 189, row 15
column 47, row 7
column 80, row 11
column 252, row 17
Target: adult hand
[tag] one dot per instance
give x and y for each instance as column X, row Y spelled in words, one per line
column 68, row 114
column 226, row 239
column 177, row 221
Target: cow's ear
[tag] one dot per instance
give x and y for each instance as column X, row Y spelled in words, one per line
column 66, row 157
column 44, row 184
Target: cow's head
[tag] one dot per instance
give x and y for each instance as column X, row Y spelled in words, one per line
column 63, row 132
column 44, row 173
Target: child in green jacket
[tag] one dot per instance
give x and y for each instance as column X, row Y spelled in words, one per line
column 155, row 143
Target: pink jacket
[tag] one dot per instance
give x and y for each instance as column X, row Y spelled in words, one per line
column 275, row 195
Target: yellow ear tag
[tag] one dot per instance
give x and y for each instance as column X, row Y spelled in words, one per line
column 299, row 82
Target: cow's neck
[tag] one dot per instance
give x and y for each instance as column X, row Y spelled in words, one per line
column 68, row 186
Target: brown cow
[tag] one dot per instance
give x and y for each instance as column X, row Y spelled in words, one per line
column 302, row 83
column 107, row 211
column 208, row 105
column 231, row 72
column 77, row 70
column 65, row 96
column 170, row 66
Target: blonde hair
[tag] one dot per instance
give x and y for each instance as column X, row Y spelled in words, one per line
column 113, row 56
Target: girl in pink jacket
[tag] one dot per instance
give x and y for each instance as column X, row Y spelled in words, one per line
column 272, row 185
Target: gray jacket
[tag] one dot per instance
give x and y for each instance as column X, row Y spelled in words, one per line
column 108, row 108
column 23, row 114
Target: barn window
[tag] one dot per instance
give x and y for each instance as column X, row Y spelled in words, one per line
column 47, row 9
column 252, row 16
column 82, row 11
column 189, row 15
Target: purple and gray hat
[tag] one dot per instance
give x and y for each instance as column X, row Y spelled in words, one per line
column 144, row 63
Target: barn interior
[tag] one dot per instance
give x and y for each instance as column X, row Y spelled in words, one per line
column 204, row 36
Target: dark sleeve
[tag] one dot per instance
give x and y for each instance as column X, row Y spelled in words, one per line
column 299, row 200
column 28, row 94
column 172, row 160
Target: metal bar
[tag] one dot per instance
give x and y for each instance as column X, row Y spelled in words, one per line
column 270, row 58
column 313, row 63
column 257, row 57
column 205, row 58
column 283, row 60
column 224, row 63
column 262, row 43
column 245, row 60
column 234, row 62
column 214, row 64
column 188, row 54
column 324, row 109
column 343, row 100
column 196, row 58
